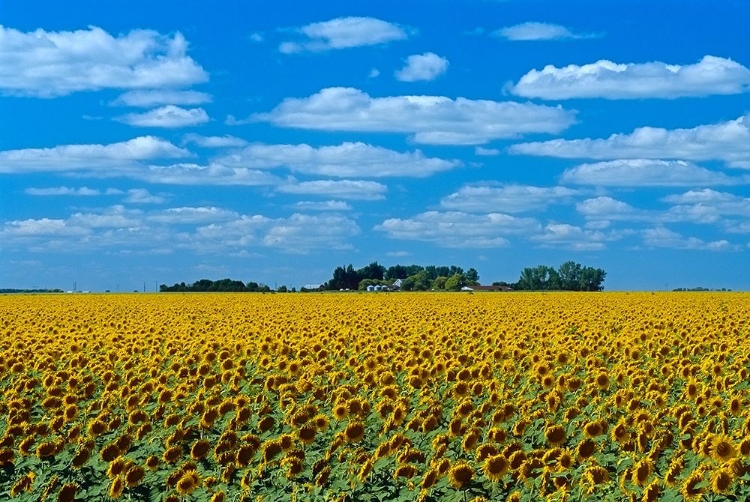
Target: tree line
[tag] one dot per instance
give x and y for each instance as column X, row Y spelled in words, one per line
column 570, row 276
column 223, row 285
column 413, row 277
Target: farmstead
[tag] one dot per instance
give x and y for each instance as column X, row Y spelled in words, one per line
column 521, row 396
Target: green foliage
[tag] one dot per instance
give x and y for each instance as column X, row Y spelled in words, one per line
column 570, row 276
column 220, row 286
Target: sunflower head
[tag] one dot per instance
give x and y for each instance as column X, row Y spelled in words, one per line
column 460, row 474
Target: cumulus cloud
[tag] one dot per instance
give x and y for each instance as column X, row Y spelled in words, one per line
column 538, row 31
column 457, row 229
column 506, row 198
column 329, row 205
column 563, row 235
column 431, row 119
column 343, row 189
column 486, row 152
column 151, row 98
column 646, row 172
column 344, row 33
column 427, row 66
column 88, row 157
column 169, row 116
column 47, row 64
column 345, row 160
column 211, row 174
column 188, row 215
column 198, row 229
column 142, row 196
column 662, row 237
column 214, row 141
column 709, row 206
column 605, row 79
column 82, row 191
column 728, row 141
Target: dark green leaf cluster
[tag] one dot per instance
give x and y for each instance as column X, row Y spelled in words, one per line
column 223, row 286
column 570, row 276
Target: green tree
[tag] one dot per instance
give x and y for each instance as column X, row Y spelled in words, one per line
column 439, row 282
column 454, row 282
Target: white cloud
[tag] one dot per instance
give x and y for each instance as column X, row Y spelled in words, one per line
column 214, row 141
column 256, row 37
column 646, row 172
column 343, row 189
column 95, row 157
column 563, row 235
column 661, row 237
column 345, row 160
column 728, row 141
column 486, row 152
column 708, row 206
column 507, row 198
column 212, row 174
column 537, row 31
column 329, row 205
column 605, row 79
column 604, row 207
column 192, row 215
column 344, row 33
column 151, row 98
column 42, row 227
column 457, row 229
column 373, row 73
column 48, row 64
column 427, row 66
column 142, row 196
column 82, row 191
column 198, row 229
column 297, row 234
column 168, row 116
column 431, row 119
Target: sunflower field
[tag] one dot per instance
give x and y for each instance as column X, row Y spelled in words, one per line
column 364, row 397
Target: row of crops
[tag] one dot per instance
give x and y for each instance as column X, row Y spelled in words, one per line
column 607, row 396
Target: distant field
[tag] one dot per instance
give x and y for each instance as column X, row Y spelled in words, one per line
column 375, row 396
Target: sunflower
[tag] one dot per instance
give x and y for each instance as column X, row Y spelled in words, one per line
column 495, row 467
column 429, row 479
column 407, row 471
column 593, row 429
column 641, row 472
column 152, row 463
column 189, row 481
column 293, row 466
column 116, row 467
column 566, row 459
column 341, row 411
column 721, row 480
column 354, row 432
column 652, row 491
column 67, row 492
column 307, row 433
column 690, row 488
column 460, row 474
column 116, row 487
column 586, row 449
column 721, row 448
column 22, row 484
column 555, row 435
column 270, row 450
column 244, row 455
column 200, row 449
column 172, row 454
column 134, row 475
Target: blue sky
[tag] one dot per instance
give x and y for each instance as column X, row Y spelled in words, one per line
column 159, row 142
